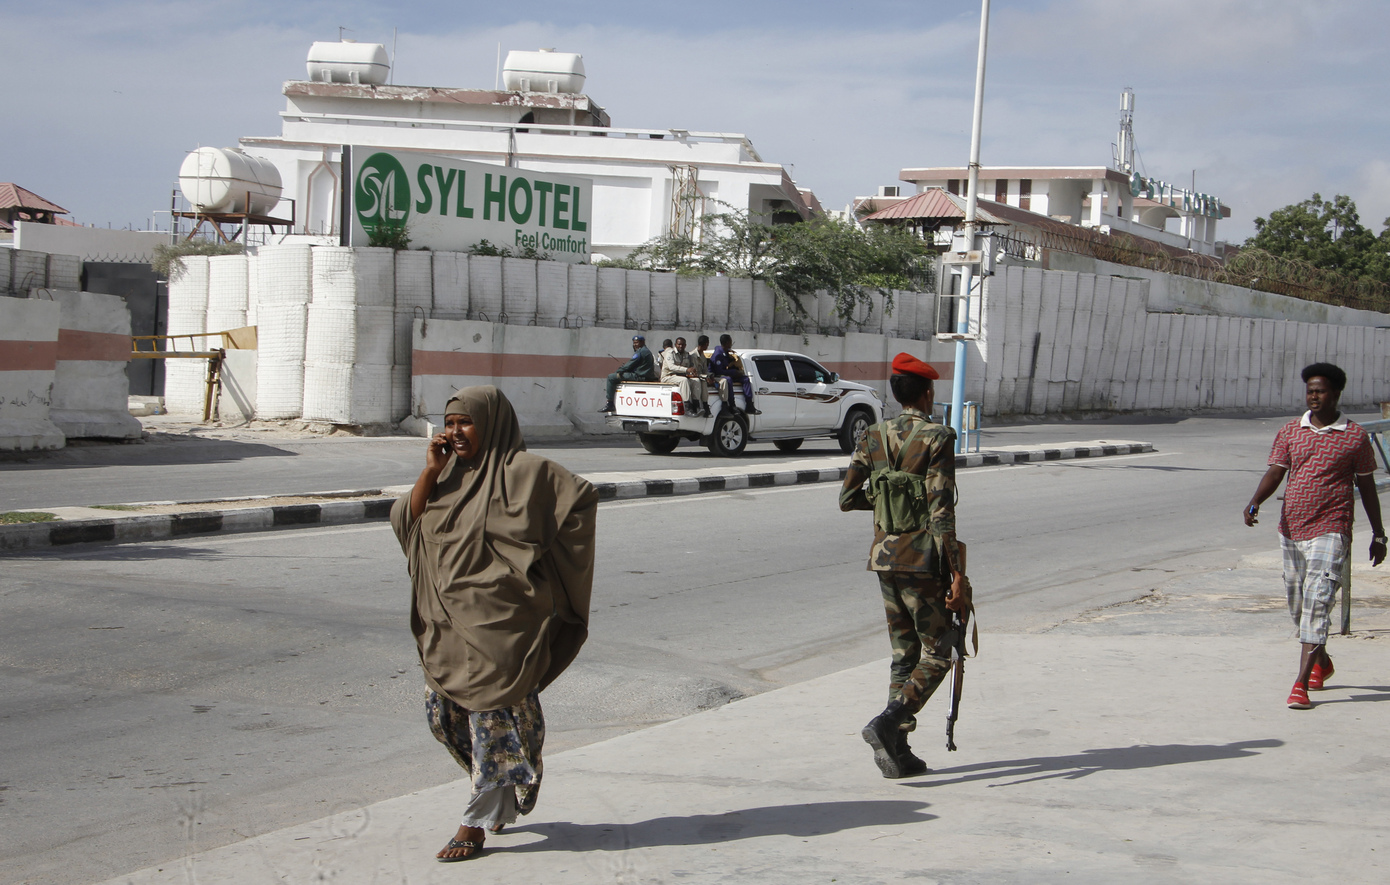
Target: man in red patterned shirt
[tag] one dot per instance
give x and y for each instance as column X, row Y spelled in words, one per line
column 1324, row 455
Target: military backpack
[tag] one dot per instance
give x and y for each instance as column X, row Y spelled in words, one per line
column 899, row 497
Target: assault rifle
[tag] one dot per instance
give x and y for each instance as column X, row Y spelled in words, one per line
column 956, row 635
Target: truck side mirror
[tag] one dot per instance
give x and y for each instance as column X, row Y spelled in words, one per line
column 834, row 377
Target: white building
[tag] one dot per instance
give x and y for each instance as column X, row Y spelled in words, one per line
column 1113, row 199
column 1093, row 197
column 646, row 182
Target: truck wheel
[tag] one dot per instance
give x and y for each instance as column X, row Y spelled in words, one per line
column 788, row 445
column 855, row 426
column 658, row 443
column 730, row 435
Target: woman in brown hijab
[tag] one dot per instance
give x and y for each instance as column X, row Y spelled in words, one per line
column 500, row 547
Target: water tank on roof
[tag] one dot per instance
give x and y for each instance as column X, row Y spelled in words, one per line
column 229, row 180
column 544, row 70
column 349, row 62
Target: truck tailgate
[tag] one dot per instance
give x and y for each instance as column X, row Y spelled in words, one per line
column 646, row 400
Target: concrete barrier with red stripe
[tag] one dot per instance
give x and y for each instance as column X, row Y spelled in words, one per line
column 28, row 359
column 554, row 377
column 90, row 385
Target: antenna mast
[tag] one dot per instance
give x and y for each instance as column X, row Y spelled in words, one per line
column 1124, row 151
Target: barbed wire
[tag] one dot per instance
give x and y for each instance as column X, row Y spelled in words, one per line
column 1248, row 268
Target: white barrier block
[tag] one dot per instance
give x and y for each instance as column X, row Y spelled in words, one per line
column 253, row 288
column 28, row 361
column 450, row 272
column 764, row 306
column 279, row 388
column 284, row 273
column 638, row 296
column 552, row 292
column 484, row 287
column 740, row 304
column 716, row 306
column 612, row 298
column 227, row 283
column 188, row 291
column 348, row 334
column 64, row 272
column 28, row 270
column 354, row 275
column 519, row 291
column 414, row 280
column 690, row 302
column 347, row 393
column 663, row 300
column 583, row 295
column 225, row 321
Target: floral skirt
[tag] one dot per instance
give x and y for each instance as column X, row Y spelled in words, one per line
column 498, row 748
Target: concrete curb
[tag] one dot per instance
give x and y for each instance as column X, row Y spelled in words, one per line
column 166, row 526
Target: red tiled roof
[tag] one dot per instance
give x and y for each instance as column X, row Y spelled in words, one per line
column 937, row 203
column 12, row 196
column 933, row 203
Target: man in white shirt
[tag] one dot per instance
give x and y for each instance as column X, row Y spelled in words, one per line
column 680, row 367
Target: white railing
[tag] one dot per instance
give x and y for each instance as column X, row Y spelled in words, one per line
column 679, row 135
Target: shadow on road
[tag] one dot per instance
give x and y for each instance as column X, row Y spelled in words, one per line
column 811, row 819
column 158, row 450
column 1087, row 762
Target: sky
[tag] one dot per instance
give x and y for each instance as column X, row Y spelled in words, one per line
column 1264, row 101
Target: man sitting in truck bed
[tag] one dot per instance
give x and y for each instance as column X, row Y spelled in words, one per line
column 679, row 368
column 727, row 363
column 639, row 368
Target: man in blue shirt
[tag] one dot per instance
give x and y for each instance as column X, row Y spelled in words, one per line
column 640, row 368
column 725, row 363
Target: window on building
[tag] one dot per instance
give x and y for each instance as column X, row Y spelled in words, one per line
column 1001, row 190
column 953, row 185
column 1025, row 193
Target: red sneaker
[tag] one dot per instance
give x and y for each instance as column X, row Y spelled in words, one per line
column 1319, row 676
column 1298, row 698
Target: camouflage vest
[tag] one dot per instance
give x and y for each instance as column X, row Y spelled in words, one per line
column 899, row 497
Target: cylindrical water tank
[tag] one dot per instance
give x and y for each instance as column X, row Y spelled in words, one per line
column 223, row 179
column 543, row 71
column 349, row 62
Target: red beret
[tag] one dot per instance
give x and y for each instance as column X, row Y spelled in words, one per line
column 907, row 364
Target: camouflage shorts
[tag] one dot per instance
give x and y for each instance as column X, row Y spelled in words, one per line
column 918, row 628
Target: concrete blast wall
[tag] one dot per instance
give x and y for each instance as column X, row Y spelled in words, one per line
column 90, row 386
column 1062, row 341
column 25, row 269
column 338, row 326
column 28, row 359
column 553, row 377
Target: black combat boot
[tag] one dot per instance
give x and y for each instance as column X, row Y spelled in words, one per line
column 908, row 762
column 882, row 733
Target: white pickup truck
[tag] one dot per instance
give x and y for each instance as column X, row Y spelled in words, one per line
column 798, row 398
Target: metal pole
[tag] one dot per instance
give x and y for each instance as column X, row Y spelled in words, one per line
column 971, row 204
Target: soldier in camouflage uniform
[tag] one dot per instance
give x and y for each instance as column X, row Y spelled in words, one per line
column 918, row 571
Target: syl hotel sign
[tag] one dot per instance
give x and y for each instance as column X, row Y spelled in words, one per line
column 452, row 205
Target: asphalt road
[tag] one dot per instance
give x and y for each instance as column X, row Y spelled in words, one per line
column 205, row 464
column 162, row 697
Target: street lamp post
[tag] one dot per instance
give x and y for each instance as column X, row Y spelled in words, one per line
column 971, row 204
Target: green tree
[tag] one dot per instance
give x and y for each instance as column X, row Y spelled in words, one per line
column 1327, row 234
column 797, row 260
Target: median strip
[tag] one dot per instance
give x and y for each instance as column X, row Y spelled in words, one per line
column 144, row 522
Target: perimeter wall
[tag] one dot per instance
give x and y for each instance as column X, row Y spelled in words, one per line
column 368, row 336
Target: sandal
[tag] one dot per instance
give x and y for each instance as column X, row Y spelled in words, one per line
column 496, row 828
column 460, row 843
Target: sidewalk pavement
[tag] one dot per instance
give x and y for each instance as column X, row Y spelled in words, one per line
column 161, row 520
column 1146, row 743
